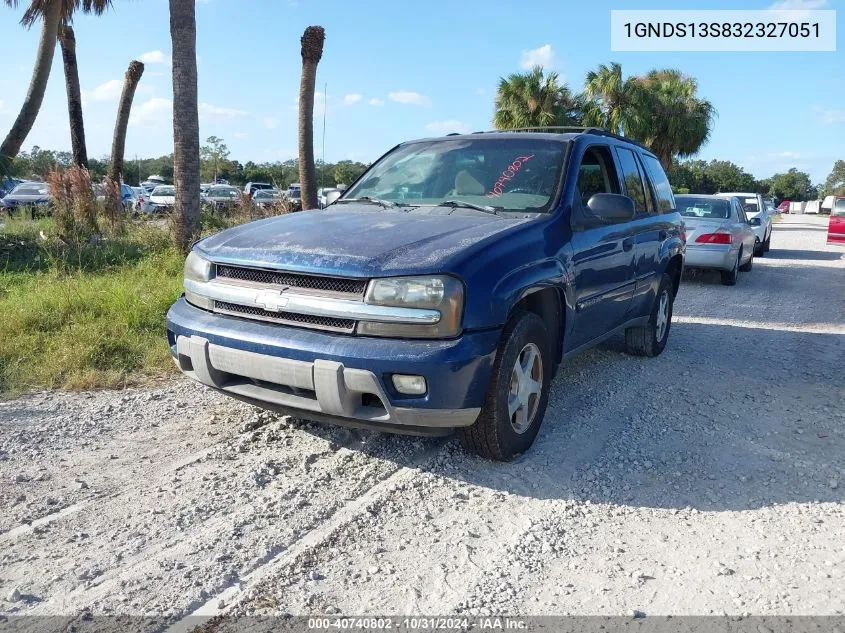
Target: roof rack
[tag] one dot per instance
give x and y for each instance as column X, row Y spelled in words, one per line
column 567, row 129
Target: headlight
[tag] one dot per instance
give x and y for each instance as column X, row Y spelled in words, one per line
column 198, row 268
column 442, row 293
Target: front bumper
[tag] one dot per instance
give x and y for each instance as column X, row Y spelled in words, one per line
column 333, row 377
column 721, row 257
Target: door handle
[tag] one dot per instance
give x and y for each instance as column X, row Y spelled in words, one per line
column 627, row 244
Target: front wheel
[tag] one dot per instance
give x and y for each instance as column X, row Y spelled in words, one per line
column 650, row 339
column 518, row 392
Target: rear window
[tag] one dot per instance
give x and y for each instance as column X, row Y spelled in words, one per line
column 164, row 191
column 703, row 208
column 839, row 207
column 31, row 190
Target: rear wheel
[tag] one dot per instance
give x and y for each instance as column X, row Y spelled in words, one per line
column 768, row 243
column 747, row 266
column 759, row 248
column 729, row 277
column 518, row 392
column 650, row 339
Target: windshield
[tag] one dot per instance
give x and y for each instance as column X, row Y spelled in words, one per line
column 223, row 192
column 267, row 195
column 31, row 190
column 692, row 207
column 510, row 174
column 164, row 191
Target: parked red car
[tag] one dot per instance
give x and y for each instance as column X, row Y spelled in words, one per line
column 836, row 224
column 783, row 207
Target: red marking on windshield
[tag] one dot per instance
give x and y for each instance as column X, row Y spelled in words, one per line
column 508, row 174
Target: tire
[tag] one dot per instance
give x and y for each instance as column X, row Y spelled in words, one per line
column 650, row 339
column 746, row 268
column 501, row 432
column 729, row 277
column 759, row 248
column 767, row 245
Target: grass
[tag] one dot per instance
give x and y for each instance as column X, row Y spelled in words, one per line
column 84, row 315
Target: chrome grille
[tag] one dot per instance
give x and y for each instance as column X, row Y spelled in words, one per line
column 316, row 283
column 345, row 326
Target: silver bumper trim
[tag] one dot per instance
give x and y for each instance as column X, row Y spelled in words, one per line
column 322, row 387
column 272, row 299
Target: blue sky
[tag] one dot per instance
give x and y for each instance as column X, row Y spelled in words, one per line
column 397, row 69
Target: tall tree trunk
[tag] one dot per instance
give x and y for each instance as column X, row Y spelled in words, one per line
column 312, row 51
column 130, row 83
column 186, row 126
column 67, row 39
column 40, row 74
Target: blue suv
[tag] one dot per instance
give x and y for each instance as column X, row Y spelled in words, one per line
column 443, row 289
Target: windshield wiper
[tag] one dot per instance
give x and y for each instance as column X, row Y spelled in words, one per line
column 461, row 204
column 387, row 204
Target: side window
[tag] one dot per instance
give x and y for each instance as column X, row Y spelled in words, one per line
column 662, row 188
column 596, row 174
column 633, row 180
column 740, row 212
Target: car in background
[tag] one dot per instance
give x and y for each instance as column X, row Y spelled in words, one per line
column 719, row 235
column 31, row 196
column 251, row 187
column 759, row 217
column 783, row 207
column 323, row 193
column 267, row 198
column 161, row 199
column 222, row 197
column 294, row 194
column 7, row 184
column 836, row 223
column 204, row 187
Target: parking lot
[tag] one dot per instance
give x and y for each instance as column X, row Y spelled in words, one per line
column 709, row 480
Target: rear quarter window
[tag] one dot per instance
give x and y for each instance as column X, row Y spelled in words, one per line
column 662, row 188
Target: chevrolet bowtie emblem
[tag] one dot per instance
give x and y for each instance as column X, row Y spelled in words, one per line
column 271, row 300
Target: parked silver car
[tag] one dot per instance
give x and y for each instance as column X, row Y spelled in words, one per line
column 719, row 235
column 759, row 216
column 222, row 197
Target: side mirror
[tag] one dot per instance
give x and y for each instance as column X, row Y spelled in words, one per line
column 332, row 197
column 611, row 208
column 755, row 222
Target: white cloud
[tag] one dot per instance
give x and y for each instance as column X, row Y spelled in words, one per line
column 241, row 136
column 209, row 112
column 2, row 103
column 543, row 56
column 271, row 122
column 446, row 127
column 352, row 98
column 409, row 98
column 788, row 154
column 795, row 10
column 831, row 117
column 108, row 91
column 154, row 57
column 154, row 111
column 376, row 102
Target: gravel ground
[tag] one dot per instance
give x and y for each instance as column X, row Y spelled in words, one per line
column 707, row 481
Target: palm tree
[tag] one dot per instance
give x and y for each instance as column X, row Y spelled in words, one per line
column 186, row 125
column 130, row 83
column 312, row 51
column 53, row 15
column 535, row 99
column 610, row 98
column 673, row 120
column 67, row 40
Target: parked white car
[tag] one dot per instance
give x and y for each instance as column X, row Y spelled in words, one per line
column 161, row 199
column 759, row 217
column 719, row 235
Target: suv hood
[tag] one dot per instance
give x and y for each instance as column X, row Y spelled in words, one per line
column 356, row 241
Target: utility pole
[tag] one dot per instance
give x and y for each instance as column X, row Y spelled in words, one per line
column 325, row 102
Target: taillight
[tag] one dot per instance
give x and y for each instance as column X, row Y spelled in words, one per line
column 714, row 238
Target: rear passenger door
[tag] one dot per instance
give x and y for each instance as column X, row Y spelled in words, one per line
column 650, row 230
column 743, row 228
column 603, row 256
